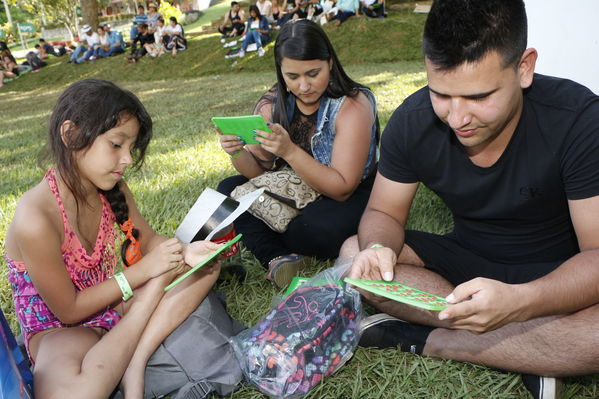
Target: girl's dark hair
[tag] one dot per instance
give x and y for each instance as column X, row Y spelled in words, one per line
column 256, row 10
column 302, row 39
column 93, row 107
column 464, row 31
column 173, row 19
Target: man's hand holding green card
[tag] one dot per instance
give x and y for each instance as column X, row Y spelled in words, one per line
column 242, row 126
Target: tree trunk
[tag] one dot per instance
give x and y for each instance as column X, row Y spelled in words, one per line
column 89, row 13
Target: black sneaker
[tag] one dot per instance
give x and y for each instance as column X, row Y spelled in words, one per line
column 542, row 387
column 384, row 331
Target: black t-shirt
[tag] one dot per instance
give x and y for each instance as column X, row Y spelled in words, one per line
column 515, row 211
column 144, row 38
column 49, row 48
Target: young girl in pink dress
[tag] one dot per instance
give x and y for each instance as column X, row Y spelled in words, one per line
column 87, row 326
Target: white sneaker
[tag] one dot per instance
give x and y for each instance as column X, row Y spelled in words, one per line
column 260, row 52
column 241, row 54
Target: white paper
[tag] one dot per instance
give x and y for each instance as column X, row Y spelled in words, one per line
column 206, row 204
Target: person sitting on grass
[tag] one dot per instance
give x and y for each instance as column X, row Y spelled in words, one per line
column 140, row 18
column 325, row 128
column 103, row 46
column 115, row 43
column 174, row 38
column 41, row 52
column 236, row 18
column 258, row 32
column 514, row 155
column 292, row 9
column 87, row 41
column 8, row 68
column 138, row 46
column 51, row 50
column 153, row 16
column 373, row 8
column 33, row 60
column 344, row 9
column 157, row 48
column 88, row 327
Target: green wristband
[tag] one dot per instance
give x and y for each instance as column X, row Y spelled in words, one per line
column 121, row 280
column 377, row 246
column 236, row 154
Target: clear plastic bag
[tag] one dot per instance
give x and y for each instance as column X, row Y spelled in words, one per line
column 307, row 336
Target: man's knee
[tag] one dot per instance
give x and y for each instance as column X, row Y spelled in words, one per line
column 350, row 247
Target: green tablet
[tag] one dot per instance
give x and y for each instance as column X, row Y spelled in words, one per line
column 400, row 293
column 242, row 126
column 204, row 262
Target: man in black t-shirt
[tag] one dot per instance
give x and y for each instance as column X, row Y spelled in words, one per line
column 515, row 157
column 50, row 50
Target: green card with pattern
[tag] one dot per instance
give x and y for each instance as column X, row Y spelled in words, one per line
column 400, row 293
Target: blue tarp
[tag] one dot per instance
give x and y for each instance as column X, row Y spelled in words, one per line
column 16, row 380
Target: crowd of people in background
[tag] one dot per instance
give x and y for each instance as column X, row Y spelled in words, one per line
column 149, row 34
column 152, row 34
column 266, row 15
column 322, row 11
column 34, row 60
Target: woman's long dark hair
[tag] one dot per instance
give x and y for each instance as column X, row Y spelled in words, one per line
column 302, row 39
column 255, row 8
column 93, row 106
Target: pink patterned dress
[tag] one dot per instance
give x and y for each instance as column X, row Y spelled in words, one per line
column 85, row 271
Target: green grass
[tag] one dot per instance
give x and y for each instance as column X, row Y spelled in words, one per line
column 182, row 94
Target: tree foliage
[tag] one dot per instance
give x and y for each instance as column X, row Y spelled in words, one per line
column 54, row 11
column 167, row 10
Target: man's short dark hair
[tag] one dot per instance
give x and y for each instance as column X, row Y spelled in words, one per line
column 464, row 31
column 42, row 40
column 37, row 46
column 234, row 3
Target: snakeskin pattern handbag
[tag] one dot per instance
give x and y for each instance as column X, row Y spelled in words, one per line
column 285, row 195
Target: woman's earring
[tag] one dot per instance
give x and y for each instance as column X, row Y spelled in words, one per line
column 288, row 91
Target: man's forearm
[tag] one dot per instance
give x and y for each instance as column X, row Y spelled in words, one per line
column 573, row 286
column 379, row 228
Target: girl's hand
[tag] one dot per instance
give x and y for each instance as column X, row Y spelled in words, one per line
column 165, row 257
column 278, row 142
column 197, row 251
column 229, row 143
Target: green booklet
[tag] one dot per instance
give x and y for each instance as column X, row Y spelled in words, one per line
column 204, row 262
column 242, row 126
column 400, row 293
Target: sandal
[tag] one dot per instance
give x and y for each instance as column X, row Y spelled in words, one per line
column 282, row 269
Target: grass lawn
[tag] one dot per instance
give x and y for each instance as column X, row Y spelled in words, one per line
column 181, row 94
